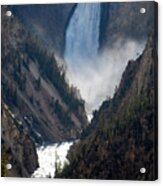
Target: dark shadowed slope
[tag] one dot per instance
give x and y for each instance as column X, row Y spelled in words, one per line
column 124, row 136
column 34, row 87
column 17, row 147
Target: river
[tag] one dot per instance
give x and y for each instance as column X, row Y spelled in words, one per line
column 48, row 156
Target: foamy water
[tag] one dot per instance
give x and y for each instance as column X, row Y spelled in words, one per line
column 48, row 156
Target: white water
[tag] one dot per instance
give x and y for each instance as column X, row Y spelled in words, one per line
column 48, row 156
column 96, row 76
column 82, row 35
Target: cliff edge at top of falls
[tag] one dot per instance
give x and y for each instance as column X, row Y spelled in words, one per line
column 123, row 138
column 34, row 86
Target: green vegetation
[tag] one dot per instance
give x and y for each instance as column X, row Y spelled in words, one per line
column 37, row 84
column 4, row 162
column 63, row 115
column 49, row 69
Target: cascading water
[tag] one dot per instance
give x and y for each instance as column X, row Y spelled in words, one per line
column 96, row 76
column 49, row 156
column 82, row 35
column 82, row 43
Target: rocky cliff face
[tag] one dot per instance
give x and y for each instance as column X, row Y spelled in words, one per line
column 123, row 139
column 124, row 20
column 118, row 21
column 17, row 147
column 34, row 86
column 46, row 21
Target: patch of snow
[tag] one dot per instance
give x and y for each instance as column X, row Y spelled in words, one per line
column 20, row 122
column 5, row 106
column 13, row 116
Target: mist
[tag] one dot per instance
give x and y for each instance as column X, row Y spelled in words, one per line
column 97, row 79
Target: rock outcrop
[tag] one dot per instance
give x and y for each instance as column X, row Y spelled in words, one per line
column 18, row 149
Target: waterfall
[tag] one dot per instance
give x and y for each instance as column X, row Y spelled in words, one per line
column 82, row 34
column 96, row 76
